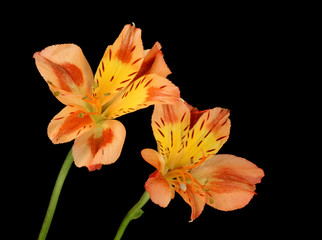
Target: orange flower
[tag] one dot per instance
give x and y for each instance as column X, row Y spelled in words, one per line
column 128, row 78
column 186, row 163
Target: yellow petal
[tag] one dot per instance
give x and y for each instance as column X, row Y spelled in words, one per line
column 141, row 93
column 170, row 124
column 206, row 136
column 120, row 63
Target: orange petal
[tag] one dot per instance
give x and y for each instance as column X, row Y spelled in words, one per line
column 129, row 45
column 100, row 146
column 65, row 69
column 154, row 63
column 195, row 200
column 230, row 180
column 141, row 93
column 68, row 124
column 120, row 63
column 154, row 158
column 159, row 189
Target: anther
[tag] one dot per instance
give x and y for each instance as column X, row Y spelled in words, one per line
column 95, row 85
column 183, row 186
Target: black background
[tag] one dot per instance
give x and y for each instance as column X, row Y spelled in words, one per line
column 221, row 56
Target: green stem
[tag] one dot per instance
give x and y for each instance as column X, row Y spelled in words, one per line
column 55, row 196
column 134, row 213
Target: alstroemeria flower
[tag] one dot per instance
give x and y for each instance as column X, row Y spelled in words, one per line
column 128, row 78
column 186, row 163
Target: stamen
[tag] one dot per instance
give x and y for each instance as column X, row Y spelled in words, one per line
column 193, row 180
column 181, row 175
column 92, row 113
column 204, row 158
column 95, row 85
column 93, row 101
column 183, row 186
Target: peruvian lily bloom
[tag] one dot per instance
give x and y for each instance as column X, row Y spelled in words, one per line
column 128, row 78
column 186, row 163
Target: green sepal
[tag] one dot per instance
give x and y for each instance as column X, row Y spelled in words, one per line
column 138, row 214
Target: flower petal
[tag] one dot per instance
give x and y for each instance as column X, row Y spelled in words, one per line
column 154, row 158
column 141, row 93
column 154, row 63
column 120, row 63
column 170, row 124
column 207, row 135
column 196, row 201
column 159, row 189
column 230, row 180
column 65, row 69
column 68, row 124
column 102, row 145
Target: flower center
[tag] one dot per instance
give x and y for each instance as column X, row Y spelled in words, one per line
column 182, row 177
column 93, row 107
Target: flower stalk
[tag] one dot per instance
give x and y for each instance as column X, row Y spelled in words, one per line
column 55, row 195
column 134, row 213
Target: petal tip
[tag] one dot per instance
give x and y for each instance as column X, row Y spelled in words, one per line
column 159, row 189
column 94, row 167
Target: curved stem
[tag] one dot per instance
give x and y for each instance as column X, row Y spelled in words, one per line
column 134, row 213
column 55, row 195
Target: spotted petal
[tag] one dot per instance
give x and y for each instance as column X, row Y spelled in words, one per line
column 120, row 63
column 102, row 145
column 207, row 135
column 154, row 62
column 141, row 93
column 170, row 124
column 66, row 70
column 196, row 201
column 68, row 124
column 229, row 181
